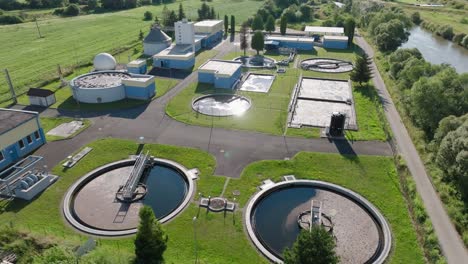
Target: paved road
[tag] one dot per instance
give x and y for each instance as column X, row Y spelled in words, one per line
column 451, row 243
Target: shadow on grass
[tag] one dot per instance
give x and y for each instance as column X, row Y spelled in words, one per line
column 204, row 89
column 170, row 73
column 369, row 91
column 127, row 108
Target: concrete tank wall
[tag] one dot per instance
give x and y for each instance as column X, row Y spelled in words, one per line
column 92, row 95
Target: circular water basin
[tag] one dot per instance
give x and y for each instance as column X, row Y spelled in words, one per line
column 221, row 104
column 256, row 62
column 327, row 65
column 362, row 234
column 91, row 205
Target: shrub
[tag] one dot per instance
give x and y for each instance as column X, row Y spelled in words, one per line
column 416, row 18
column 446, row 32
column 7, row 19
column 58, row 11
column 458, row 38
column 92, row 4
column 148, row 15
column 464, row 42
column 145, row 2
column 72, row 10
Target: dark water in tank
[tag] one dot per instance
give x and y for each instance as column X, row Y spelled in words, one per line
column 275, row 217
column 166, row 190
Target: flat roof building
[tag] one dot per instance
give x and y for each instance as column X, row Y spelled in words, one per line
column 334, row 31
column 20, row 134
column 220, row 73
column 299, row 43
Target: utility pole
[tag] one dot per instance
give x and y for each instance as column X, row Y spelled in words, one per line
column 37, row 26
column 10, row 84
column 195, row 238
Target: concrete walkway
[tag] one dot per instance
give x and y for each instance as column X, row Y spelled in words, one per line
column 451, row 243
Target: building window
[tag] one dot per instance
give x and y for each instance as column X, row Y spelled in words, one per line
column 1, row 156
column 36, row 135
column 29, row 139
column 21, row 144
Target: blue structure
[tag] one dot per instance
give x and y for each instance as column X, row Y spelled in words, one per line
column 20, row 134
column 176, row 57
column 137, row 67
column 141, row 87
column 302, row 43
column 220, row 73
column 335, row 42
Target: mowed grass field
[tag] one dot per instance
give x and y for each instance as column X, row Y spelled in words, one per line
column 220, row 237
column 75, row 41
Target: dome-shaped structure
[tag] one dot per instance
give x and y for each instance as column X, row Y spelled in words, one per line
column 156, row 41
column 104, row 62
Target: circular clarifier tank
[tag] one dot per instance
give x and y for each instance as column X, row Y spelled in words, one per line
column 327, row 65
column 221, row 104
column 256, row 62
column 91, row 204
column 275, row 217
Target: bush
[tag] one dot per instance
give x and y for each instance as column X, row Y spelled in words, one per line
column 458, row 38
column 416, row 18
column 92, row 4
column 145, row 2
column 58, row 11
column 148, row 15
column 7, row 19
column 464, row 42
column 71, row 10
column 446, row 32
column 1, row 12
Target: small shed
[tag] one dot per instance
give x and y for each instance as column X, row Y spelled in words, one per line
column 137, row 66
column 335, row 42
column 41, row 97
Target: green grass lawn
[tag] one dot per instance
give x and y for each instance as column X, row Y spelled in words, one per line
column 220, row 239
column 268, row 113
column 49, row 123
column 373, row 177
column 215, row 233
column 76, row 40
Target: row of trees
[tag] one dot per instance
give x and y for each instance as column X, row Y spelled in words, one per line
column 92, row 4
column 226, row 24
column 205, row 12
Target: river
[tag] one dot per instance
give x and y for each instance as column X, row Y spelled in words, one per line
column 437, row 50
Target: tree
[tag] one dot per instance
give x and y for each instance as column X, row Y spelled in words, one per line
column 452, row 157
column 226, row 24
column 257, row 23
column 72, row 10
column 390, row 35
column 270, row 24
column 306, row 11
column 362, row 72
column 416, row 18
column 141, row 36
column 92, row 4
column 314, row 247
column 283, row 25
column 212, row 13
column 233, row 24
column 258, row 41
column 244, row 43
column 203, row 12
column 150, row 241
column 148, row 15
column 181, row 12
column 349, row 28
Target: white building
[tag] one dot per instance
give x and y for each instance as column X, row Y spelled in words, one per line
column 156, row 41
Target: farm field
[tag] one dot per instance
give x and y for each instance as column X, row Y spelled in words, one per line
column 75, row 41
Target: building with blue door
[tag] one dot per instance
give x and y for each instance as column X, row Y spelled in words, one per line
column 299, row 43
column 220, row 73
column 20, row 134
column 141, row 87
column 335, row 42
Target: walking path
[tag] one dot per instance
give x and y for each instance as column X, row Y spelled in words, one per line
column 451, row 243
